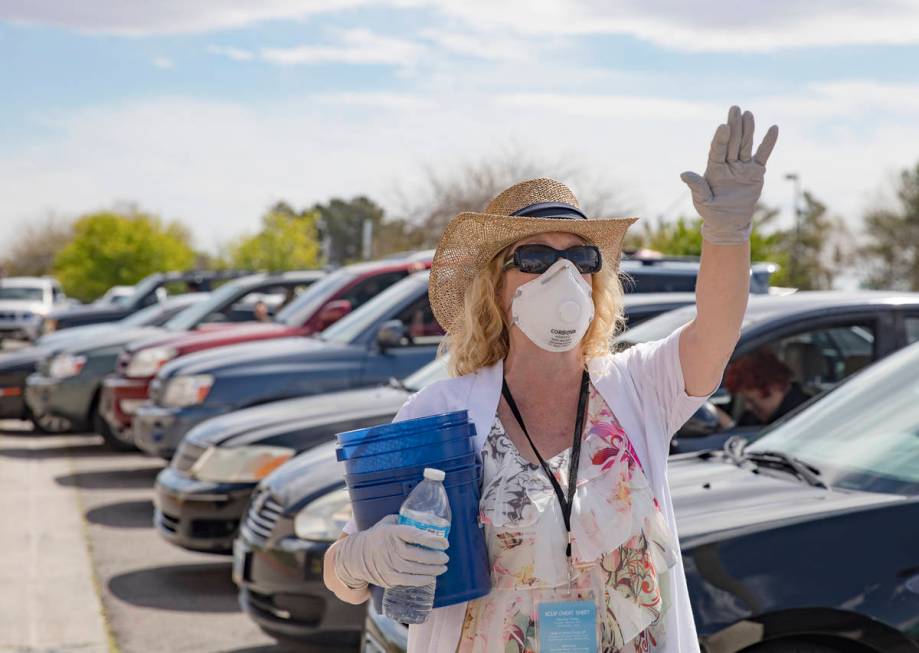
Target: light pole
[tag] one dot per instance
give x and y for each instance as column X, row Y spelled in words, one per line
column 796, row 199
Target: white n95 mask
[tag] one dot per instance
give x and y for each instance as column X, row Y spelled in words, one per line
column 555, row 309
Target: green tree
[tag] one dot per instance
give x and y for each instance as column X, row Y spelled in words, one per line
column 341, row 227
column 111, row 248
column 288, row 241
column 890, row 258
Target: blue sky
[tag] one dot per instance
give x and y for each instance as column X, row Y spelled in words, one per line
column 209, row 112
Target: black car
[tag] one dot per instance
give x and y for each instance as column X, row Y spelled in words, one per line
column 16, row 366
column 822, row 336
column 148, row 291
column 392, row 335
column 804, row 539
column 68, row 383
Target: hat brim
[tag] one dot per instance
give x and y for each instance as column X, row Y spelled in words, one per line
column 471, row 241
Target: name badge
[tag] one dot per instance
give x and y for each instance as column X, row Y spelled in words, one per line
column 567, row 626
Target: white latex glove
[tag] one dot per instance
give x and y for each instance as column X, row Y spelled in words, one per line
column 726, row 196
column 385, row 555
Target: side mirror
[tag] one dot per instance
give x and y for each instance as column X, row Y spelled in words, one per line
column 391, row 334
column 332, row 312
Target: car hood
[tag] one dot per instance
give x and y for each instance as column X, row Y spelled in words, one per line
column 269, row 423
column 248, row 354
column 63, row 338
column 108, row 339
column 305, row 477
column 101, row 312
column 214, row 336
column 713, row 497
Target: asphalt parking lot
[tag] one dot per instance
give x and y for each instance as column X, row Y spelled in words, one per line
column 83, row 569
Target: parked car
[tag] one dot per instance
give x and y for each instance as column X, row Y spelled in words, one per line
column 822, row 336
column 393, row 334
column 801, row 539
column 655, row 273
column 324, row 303
column 24, row 302
column 116, row 295
column 150, row 290
column 16, row 366
column 69, row 383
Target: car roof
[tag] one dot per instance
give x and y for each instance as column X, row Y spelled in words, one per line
column 27, row 281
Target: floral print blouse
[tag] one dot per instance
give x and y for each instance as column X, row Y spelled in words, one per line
column 621, row 545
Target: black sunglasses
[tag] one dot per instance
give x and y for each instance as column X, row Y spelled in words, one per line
column 536, row 259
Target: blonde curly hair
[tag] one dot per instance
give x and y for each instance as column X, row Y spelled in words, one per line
column 479, row 337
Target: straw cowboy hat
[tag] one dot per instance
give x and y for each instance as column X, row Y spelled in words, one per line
column 535, row 206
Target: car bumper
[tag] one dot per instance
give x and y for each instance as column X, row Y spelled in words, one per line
column 12, row 403
column 281, row 589
column 19, row 329
column 69, row 398
column 158, row 430
column 120, row 400
column 199, row 515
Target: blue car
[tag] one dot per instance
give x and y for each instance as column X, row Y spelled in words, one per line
column 392, row 335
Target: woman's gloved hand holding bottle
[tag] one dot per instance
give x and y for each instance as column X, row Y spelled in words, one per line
column 390, row 554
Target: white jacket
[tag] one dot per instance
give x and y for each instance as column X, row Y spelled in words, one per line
column 644, row 388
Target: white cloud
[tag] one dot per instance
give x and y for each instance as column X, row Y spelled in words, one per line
column 357, row 46
column 163, row 63
column 218, row 165
column 478, row 26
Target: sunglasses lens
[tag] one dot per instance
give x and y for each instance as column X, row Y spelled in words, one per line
column 585, row 258
column 535, row 259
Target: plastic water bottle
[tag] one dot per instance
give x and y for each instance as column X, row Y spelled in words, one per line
column 426, row 507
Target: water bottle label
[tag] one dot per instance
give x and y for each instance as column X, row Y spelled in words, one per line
column 430, row 528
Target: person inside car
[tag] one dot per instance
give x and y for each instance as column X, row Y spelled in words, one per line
column 767, row 386
column 574, row 439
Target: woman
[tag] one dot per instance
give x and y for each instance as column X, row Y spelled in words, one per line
column 530, row 296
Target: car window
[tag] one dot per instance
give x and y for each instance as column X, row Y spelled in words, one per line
column 912, row 328
column 420, row 324
column 865, row 434
column 357, row 322
column 22, row 293
column 368, row 288
column 818, row 360
column 641, row 282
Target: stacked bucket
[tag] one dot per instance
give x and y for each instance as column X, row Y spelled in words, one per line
column 384, row 463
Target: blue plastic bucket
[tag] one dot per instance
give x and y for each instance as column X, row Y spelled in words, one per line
column 405, row 427
column 467, row 576
column 417, row 457
column 409, row 473
column 403, row 487
column 424, row 438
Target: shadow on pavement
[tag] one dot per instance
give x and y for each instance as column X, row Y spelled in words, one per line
column 205, row 587
column 44, row 453
column 125, row 514
column 113, row 479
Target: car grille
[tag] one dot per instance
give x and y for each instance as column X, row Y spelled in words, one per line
column 186, row 456
column 262, row 515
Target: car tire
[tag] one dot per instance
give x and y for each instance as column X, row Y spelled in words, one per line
column 112, row 441
column 791, row 646
column 49, row 425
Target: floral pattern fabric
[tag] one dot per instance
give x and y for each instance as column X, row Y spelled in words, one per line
column 622, row 548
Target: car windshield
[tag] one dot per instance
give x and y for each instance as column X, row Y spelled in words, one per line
column 655, row 328
column 433, row 371
column 355, row 323
column 143, row 288
column 310, row 300
column 30, row 294
column 864, row 435
column 194, row 315
column 142, row 317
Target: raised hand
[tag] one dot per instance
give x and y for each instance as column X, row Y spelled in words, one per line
column 727, row 195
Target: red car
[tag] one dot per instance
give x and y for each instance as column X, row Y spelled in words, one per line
column 322, row 304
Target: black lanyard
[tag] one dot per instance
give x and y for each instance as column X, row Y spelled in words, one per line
column 565, row 502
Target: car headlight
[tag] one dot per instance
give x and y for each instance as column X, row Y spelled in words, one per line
column 324, row 518
column 64, row 365
column 48, row 326
column 239, row 464
column 187, row 390
column 146, row 362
